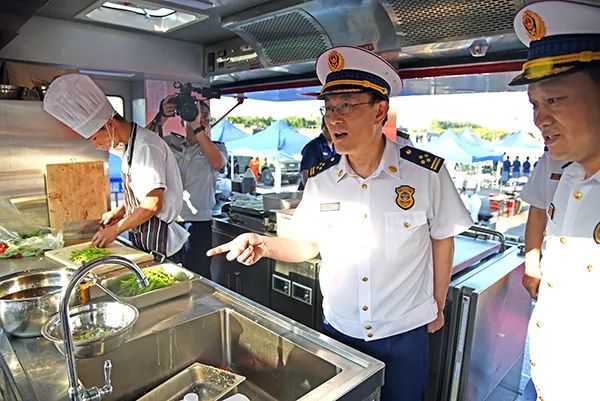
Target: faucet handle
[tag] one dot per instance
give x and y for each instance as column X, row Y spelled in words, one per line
column 107, row 388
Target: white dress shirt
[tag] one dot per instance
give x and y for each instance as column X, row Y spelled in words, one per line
column 198, row 177
column 377, row 265
column 564, row 326
column 540, row 188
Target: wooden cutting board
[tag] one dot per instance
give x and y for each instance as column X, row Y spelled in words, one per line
column 76, row 191
column 63, row 255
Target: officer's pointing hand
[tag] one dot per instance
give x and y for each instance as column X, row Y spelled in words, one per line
column 247, row 249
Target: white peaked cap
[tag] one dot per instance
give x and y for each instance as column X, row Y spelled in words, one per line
column 76, row 100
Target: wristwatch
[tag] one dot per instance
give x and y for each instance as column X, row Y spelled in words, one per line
column 200, row 129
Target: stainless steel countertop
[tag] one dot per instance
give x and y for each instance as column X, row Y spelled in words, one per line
column 40, row 373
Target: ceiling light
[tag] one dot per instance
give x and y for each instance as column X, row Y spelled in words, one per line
column 113, row 74
column 140, row 14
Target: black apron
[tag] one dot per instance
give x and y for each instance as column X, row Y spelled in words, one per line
column 152, row 235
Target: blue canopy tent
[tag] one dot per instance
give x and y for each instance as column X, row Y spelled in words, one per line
column 520, row 139
column 450, row 147
column 278, row 140
column 520, row 144
column 469, row 137
column 225, row 131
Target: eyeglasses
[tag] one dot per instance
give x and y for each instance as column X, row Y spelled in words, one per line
column 342, row 109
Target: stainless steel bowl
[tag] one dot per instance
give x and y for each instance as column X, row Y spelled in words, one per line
column 115, row 316
column 28, row 299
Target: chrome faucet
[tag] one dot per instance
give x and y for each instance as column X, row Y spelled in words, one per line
column 76, row 391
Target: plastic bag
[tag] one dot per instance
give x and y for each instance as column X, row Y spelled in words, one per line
column 19, row 237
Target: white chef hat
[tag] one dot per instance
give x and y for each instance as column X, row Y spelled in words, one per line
column 76, row 100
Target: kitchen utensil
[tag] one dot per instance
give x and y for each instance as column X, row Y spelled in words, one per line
column 117, row 317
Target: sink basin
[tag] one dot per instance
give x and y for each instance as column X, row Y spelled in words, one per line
column 274, row 367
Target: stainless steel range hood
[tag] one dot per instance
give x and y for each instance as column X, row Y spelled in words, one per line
column 409, row 33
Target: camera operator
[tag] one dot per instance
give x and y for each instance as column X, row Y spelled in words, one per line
column 199, row 161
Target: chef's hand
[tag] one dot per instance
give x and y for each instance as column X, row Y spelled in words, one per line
column 437, row 324
column 532, row 278
column 105, row 236
column 111, row 217
column 245, row 248
column 167, row 109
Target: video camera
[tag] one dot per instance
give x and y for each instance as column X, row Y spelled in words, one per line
column 185, row 103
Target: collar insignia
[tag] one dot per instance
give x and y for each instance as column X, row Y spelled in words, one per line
column 405, row 197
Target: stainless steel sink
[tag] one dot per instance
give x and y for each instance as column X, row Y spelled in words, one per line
column 275, row 368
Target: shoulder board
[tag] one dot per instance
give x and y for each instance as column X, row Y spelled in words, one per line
column 324, row 165
column 402, row 135
column 422, row 158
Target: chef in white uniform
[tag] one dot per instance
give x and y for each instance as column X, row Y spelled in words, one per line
column 563, row 75
column 151, row 179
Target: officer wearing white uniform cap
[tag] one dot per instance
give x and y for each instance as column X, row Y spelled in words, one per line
column 563, row 73
column 153, row 189
column 382, row 216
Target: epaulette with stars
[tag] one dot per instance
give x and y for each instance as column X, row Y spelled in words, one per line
column 422, row 158
column 324, row 165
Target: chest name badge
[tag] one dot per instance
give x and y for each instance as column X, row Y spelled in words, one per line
column 555, row 176
column 597, row 233
column 405, row 197
column 330, row 207
column 551, row 211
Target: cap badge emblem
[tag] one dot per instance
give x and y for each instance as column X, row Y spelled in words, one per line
column 405, row 197
column 335, row 61
column 534, row 25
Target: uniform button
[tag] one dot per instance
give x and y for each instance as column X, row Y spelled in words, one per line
column 368, row 327
column 406, row 224
column 392, row 169
column 370, row 335
column 545, row 233
column 563, row 240
column 365, row 279
column 532, row 363
column 365, row 308
column 577, row 195
column 541, row 398
column 364, row 186
column 408, row 151
column 550, row 285
column 539, row 325
column 590, row 268
column 365, row 216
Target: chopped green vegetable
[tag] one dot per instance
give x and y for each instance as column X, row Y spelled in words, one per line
column 157, row 278
column 88, row 334
column 88, row 254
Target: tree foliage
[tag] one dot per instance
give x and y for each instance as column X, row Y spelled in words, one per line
column 260, row 123
column 458, row 126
